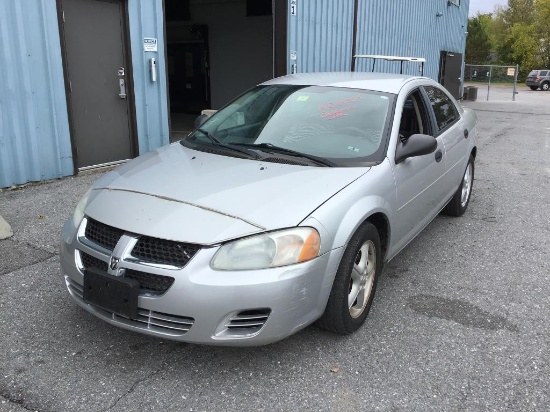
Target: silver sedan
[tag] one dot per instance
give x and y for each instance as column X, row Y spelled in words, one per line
column 278, row 211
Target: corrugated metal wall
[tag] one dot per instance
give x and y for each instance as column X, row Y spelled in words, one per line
column 34, row 129
column 147, row 21
column 321, row 34
column 419, row 28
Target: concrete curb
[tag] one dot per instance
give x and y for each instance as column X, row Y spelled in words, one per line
column 5, row 229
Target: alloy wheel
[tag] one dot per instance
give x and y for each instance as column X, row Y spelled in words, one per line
column 362, row 279
column 466, row 185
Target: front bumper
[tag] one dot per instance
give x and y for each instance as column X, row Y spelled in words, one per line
column 214, row 307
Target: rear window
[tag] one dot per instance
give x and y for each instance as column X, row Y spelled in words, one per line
column 444, row 109
column 534, row 73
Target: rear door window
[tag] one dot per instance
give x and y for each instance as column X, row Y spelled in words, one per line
column 443, row 107
column 544, row 73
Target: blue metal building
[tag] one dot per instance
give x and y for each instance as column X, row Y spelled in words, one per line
column 178, row 57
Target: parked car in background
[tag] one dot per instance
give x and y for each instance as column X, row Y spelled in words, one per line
column 538, row 78
column 279, row 210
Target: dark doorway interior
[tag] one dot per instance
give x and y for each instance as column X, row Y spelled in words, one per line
column 97, row 71
column 188, row 75
column 215, row 51
column 450, row 70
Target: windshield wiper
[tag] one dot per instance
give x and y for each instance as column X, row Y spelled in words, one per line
column 282, row 150
column 217, row 142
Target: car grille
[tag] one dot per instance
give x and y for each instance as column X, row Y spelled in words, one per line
column 93, row 262
column 103, row 235
column 159, row 322
column 248, row 321
column 147, row 249
column 148, row 282
column 164, row 251
column 162, row 321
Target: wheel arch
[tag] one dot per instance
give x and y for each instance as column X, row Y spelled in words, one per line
column 373, row 210
column 382, row 224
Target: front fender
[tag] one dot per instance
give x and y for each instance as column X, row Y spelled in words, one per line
column 372, row 193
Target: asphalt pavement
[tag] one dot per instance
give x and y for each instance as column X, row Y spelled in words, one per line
column 461, row 319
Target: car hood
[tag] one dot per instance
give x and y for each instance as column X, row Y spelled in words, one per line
column 181, row 194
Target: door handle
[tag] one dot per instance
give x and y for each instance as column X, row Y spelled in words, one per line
column 466, row 133
column 438, row 156
column 122, row 86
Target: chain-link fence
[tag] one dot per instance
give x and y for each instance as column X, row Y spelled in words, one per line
column 490, row 82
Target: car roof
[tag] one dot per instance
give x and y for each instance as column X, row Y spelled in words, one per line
column 380, row 82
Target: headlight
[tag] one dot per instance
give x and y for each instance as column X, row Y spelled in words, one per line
column 79, row 211
column 269, row 250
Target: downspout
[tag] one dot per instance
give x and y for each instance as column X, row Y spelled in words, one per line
column 354, row 41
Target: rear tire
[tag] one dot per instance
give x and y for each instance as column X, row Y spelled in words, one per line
column 355, row 283
column 533, row 87
column 545, row 86
column 459, row 203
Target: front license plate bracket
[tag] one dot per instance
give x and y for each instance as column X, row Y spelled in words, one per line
column 112, row 293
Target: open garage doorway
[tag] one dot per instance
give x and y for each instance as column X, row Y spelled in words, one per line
column 217, row 49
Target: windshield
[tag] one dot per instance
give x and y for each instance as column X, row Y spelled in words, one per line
column 342, row 125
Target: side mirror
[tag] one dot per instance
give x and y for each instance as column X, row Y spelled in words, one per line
column 200, row 120
column 415, row 145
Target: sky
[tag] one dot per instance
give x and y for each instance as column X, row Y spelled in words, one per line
column 485, row 6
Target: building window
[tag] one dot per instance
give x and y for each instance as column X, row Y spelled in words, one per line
column 455, row 2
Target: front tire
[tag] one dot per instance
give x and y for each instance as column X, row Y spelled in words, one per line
column 355, row 283
column 459, row 203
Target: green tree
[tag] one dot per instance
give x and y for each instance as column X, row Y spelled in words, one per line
column 524, row 46
column 478, row 44
column 488, row 25
column 542, row 19
column 519, row 32
column 516, row 36
column 519, row 12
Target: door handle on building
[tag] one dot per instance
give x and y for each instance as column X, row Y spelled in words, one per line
column 153, row 69
column 122, row 85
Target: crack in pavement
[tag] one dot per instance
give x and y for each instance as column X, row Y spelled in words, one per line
column 29, row 265
column 20, row 402
column 20, row 253
column 134, row 385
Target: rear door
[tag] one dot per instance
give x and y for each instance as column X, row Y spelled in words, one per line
column 452, row 132
column 96, row 69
